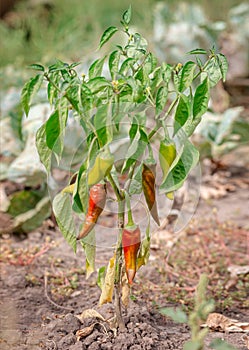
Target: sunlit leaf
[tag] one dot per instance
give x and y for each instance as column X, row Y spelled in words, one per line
column 161, row 99
column 187, row 75
column 197, row 52
column 108, row 33
column 96, row 68
column 29, row 91
column 201, row 98
column 182, row 112
column 127, row 16
column 62, row 209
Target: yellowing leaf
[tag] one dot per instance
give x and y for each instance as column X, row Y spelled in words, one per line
column 167, row 154
column 68, row 189
column 170, row 195
column 125, row 290
column 107, row 291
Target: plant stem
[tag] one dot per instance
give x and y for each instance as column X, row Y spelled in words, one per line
column 118, row 267
column 118, row 261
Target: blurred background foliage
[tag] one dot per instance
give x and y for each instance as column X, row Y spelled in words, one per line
column 39, row 30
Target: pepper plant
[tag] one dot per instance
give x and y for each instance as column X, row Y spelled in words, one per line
column 154, row 106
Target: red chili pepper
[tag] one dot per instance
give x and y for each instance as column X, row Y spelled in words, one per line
column 131, row 243
column 97, row 199
column 148, row 183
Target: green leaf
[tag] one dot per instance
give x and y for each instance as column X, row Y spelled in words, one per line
column 127, row 16
column 100, row 123
column 98, row 84
column 193, row 345
column 114, row 63
column 223, row 63
column 197, row 52
column 161, row 99
column 220, row 344
column 81, row 193
column 101, row 276
column 177, row 315
column 38, row 67
column 180, row 168
column 52, row 128
column 108, row 33
column 213, row 71
column 29, row 91
column 51, row 89
column 167, row 155
column 182, row 112
column 136, row 181
column 62, row 209
column 138, row 143
column 89, row 245
column 96, row 68
column 201, row 98
column 187, row 75
column 126, row 65
column 33, row 218
column 73, row 96
column 44, row 151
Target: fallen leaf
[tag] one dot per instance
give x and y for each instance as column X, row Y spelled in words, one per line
column 236, row 270
column 84, row 332
column 246, row 339
column 90, row 313
column 222, row 323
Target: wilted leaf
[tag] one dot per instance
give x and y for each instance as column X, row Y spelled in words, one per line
column 125, row 290
column 89, row 245
column 219, row 322
column 84, row 332
column 90, row 313
column 107, row 291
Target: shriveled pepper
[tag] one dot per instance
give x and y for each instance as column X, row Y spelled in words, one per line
column 97, row 199
column 131, row 243
column 148, row 183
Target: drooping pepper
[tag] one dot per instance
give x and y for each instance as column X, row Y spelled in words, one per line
column 97, row 199
column 131, row 243
column 102, row 165
column 148, row 183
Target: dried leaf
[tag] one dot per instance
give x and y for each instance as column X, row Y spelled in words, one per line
column 125, row 290
column 107, row 291
column 246, row 339
column 90, row 313
column 84, row 332
column 222, row 323
column 236, row 270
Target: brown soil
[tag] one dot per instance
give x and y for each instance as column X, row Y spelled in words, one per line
column 43, row 285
